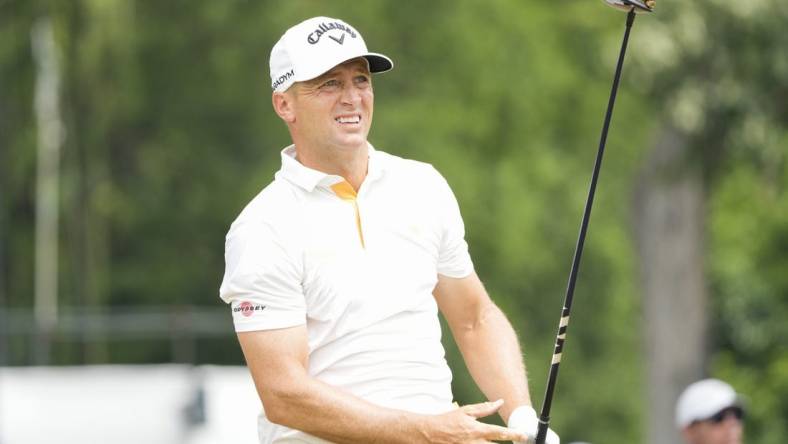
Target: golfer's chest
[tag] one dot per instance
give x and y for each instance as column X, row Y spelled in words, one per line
column 390, row 229
column 355, row 258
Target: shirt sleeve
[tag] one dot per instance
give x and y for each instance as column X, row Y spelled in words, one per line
column 262, row 278
column 454, row 260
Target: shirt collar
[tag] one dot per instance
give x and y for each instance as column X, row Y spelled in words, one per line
column 308, row 178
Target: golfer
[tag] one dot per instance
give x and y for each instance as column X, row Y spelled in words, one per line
column 336, row 272
column 710, row 412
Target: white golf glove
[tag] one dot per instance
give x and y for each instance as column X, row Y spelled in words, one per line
column 524, row 419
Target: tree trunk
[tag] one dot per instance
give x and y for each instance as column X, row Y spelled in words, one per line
column 669, row 214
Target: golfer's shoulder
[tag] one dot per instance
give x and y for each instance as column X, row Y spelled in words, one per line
column 278, row 196
column 420, row 172
column 273, row 207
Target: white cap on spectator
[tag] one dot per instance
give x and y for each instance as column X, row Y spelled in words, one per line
column 703, row 399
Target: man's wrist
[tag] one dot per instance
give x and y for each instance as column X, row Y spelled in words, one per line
column 520, row 416
column 525, row 419
column 413, row 427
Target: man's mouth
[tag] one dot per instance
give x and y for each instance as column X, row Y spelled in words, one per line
column 349, row 119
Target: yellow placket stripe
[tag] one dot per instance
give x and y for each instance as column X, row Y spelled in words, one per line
column 345, row 191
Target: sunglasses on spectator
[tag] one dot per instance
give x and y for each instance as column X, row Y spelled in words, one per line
column 723, row 414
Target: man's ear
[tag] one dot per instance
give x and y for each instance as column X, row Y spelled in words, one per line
column 283, row 106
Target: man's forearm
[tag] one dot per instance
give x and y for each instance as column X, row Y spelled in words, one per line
column 278, row 361
column 334, row 415
column 340, row 417
column 492, row 353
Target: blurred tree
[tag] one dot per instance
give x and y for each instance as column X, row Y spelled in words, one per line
column 718, row 73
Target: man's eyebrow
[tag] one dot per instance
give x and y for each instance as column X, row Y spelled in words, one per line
column 333, row 73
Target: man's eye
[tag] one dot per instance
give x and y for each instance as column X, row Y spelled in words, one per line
column 330, row 84
column 362, row 79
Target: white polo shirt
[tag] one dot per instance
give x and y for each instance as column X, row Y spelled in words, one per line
column 358, row 271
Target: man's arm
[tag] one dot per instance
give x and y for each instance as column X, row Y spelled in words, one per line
column 486, row 340
column 278, row 360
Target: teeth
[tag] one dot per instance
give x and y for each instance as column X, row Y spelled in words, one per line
column 354, row 119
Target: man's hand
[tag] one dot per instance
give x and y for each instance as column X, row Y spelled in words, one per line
column 524, row 419
column 461, row 427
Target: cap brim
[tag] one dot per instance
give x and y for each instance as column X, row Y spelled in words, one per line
column 378, row 62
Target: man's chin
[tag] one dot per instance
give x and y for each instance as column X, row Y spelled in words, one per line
column 352, row 142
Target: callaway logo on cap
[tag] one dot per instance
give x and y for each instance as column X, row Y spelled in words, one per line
column 316, row 45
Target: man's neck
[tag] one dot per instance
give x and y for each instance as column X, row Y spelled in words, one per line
column 350, row 164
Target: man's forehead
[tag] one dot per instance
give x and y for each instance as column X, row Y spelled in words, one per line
column 359, row 64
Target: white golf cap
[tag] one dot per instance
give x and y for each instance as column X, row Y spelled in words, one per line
column 316, row 45
column 703, row 399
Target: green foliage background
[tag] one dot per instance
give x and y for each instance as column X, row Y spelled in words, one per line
column 170, row 132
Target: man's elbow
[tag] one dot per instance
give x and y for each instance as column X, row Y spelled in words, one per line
column 275, row 414
column 280, row 403
column 488, row 314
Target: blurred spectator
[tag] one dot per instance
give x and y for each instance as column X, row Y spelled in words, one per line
column 710, row 412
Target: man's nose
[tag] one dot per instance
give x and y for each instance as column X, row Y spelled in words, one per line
column 351, row 94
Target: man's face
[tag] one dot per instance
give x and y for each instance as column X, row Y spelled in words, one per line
column 334, row 110
column 725, row 429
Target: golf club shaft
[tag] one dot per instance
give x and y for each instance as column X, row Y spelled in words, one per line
column 544, row 417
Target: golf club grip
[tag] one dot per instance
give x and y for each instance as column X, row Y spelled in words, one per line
column 544, row 417
column 541, row 431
